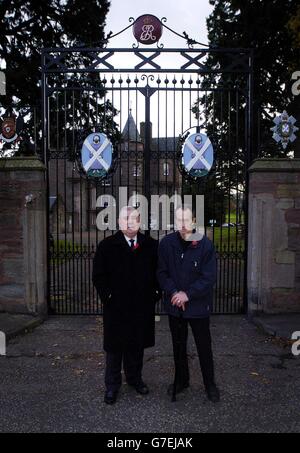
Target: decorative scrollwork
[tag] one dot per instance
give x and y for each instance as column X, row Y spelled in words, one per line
column 148, row 77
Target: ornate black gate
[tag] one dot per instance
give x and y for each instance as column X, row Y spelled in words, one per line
column 147, row 100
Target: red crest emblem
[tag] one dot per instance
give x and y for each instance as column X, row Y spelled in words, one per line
column 147, row 29
column 8, row 129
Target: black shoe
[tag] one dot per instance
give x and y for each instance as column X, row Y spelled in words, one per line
column 179, row 388
column 213, row 393
column 110, row 396
column 141, row 388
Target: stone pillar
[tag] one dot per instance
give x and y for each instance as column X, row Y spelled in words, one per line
column 23, row 253
column 274, row 236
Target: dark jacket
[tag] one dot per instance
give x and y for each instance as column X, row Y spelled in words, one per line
column 192, row 271
column 126, row 283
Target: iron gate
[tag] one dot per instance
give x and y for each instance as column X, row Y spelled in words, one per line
column 146, row 99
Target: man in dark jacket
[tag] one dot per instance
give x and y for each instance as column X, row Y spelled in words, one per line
column 124, row 274
column 187, row 274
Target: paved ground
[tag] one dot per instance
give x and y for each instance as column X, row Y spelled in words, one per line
column 52, row 381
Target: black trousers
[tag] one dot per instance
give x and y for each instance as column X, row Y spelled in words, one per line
column 132, row 364
column 202, row 337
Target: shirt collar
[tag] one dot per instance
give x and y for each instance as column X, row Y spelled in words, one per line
column 129, row 239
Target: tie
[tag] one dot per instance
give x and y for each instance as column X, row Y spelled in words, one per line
column 132, row 244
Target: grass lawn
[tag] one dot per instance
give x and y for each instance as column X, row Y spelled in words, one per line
column 64, row 247
column 228, row 238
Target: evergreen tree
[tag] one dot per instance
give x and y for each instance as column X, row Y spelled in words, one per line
column 269, row 27
column 27, row 27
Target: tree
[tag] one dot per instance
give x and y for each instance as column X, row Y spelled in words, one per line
column 30, row 25
column 267, row 27
column 270, row 28
column 294, row 27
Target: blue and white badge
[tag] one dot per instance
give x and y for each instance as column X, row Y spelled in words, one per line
column 96, row 155
column 198, row 155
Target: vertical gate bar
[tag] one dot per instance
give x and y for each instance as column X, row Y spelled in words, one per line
column 112, row 179
column 190, row 102
column 147, row 153
column 95, row 242
column 221, row 286
column 79, row 249
column 65, row 196
column 73, row 216
column 131, row 171
column 59, row 282
column 214, row 194
column 158, row 151
column 136, row 144
column 249, row 153
column 85, row 256
column 173, row 158
column 71, row 148
column 80, row 255
column 182, row 82
column 88, row 216
column 96, row 183
column 228, row 299
column 206, row 130
column 105, row 106
column 120, row 155
column 237, row 193
column 45, row 156
column 82, row 306
column 231, row 278
column 166, row 131
column 114, row 186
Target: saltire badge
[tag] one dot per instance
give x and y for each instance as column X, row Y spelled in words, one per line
column 198, row 155
column 96, row 155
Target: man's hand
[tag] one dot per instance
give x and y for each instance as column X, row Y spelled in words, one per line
column 180, row 299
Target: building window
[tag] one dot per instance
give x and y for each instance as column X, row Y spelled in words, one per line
column 166, row 169
column 104, row 203
column 136, row 171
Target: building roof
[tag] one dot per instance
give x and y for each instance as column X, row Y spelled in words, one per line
column 130, row 131
column 163, row 144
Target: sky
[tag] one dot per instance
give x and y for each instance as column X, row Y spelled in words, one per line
column 189, row 16
column 184, row 15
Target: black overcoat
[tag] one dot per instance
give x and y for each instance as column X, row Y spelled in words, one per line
column 126, row 283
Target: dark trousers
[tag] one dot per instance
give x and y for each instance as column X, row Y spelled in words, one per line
column 132, row 364
column 202, row 337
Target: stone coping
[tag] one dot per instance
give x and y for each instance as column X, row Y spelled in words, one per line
column 275, row 165
column 21, row 164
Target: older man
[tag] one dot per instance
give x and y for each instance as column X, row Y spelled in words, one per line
column 187, row 273
column 124, row 275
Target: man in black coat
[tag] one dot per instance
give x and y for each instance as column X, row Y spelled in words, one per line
column 124, row 274
column 187, row 274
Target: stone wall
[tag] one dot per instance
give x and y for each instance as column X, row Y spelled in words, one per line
column 23, row 260
column 274, row 236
